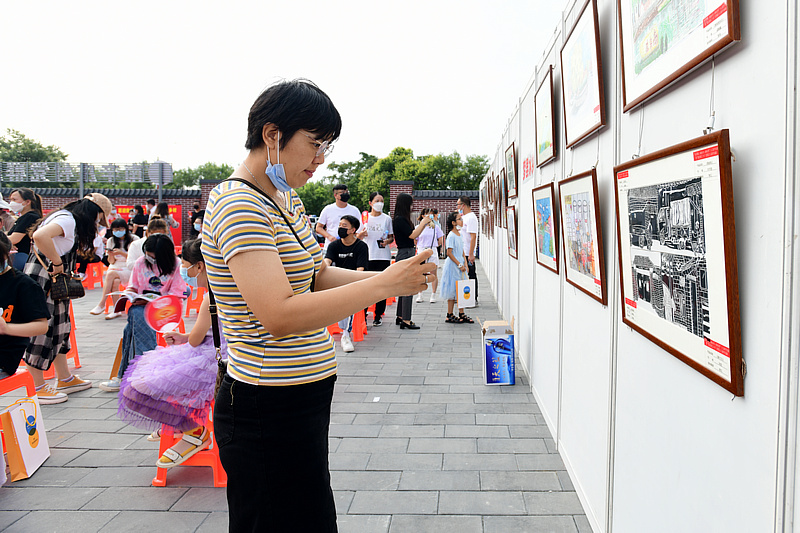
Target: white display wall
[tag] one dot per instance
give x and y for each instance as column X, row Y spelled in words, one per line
column 650, row 443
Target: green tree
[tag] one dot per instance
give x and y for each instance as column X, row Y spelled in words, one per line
column 316, row 195
column 190, row 177
column 14, row 146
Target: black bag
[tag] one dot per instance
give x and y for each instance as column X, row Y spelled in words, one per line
column 64, row 286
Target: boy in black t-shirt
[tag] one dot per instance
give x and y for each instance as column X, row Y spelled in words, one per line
column 23, row 311
column 350, row 253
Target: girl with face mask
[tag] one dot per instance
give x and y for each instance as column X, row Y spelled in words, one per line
column 118, row 273
column 378, row 233
column 175, row 386
column 157, row 272
column 28, row 206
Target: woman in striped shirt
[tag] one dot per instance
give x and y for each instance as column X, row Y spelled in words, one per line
column 276, row 297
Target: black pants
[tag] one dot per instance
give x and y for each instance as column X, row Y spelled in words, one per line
column 273, row 444
column 472, row 275
column 404, row 302
column 378, row 266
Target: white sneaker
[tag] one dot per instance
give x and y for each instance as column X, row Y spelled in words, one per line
column 433, row 297
column 347, row 343
column 98, row 310
column 112, row 316
column 110, row 386
column 419, row 298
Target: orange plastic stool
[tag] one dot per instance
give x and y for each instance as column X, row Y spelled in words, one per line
column 94, row 275
column 160, row 336
column 207, row 457
column 334, row 328
column 50, row 373
column 195, row 300
column 110, row 300
column 21, row 379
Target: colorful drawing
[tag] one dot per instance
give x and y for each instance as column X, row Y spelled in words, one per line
column 660, row 24
column 579, row 233
column 544, row 227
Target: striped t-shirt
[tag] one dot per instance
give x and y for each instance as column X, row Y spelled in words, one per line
column 238, row 219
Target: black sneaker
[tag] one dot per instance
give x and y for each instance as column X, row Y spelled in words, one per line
column 377, row 321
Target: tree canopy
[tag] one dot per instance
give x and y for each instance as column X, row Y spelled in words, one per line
column 16, row 147
column 190, row 177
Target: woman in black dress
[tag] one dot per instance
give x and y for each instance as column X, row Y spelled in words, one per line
column 404, row 235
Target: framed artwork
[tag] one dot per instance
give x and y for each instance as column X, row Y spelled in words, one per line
column 581, row 77
column 511, row 171
column 677, row 255
column 581, row 234
column 503, row 199
column 511, row 217
column 663, row 41
column 546, row 226
column 545, row 120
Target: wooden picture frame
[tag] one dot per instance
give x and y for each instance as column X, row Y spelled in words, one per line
column 503, row 199
column 544, row 118
column 582, row 236
column 511, row 218
column 511, row 171
column 545, row 226
column 677, row 255
column 583, row 95
column 661, row 42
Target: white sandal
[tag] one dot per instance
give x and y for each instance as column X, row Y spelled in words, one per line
column 156, row 435
column 198, row 443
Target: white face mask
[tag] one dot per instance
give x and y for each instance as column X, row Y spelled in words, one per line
column 15, row 207
column 378, row 206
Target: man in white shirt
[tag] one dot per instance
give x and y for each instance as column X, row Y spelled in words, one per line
column 469, row 233
column 328, row 221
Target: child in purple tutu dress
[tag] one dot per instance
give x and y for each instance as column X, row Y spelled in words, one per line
column 174, row 386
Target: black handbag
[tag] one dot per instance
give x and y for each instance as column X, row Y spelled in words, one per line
column 64, row 286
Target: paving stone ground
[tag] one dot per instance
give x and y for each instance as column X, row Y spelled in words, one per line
column 417, row 444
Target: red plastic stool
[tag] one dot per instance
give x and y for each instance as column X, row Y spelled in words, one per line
column 50, row 373
column 94, row 275
column 21, row 379
column 207, row 457
column 334, row 328
column 359, row 326
column 195, row 301
column 110, row 300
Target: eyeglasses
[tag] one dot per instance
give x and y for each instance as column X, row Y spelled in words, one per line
column 324, row 148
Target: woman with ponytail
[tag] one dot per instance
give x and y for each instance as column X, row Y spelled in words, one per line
column 28, row 205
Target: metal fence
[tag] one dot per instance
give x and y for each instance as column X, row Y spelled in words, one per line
column 112, row 174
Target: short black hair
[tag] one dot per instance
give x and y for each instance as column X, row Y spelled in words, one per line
column 292, row 106
column 353, row 221
column 151, row 201
column 162, row 247
column 340, row 187
column 464, row 200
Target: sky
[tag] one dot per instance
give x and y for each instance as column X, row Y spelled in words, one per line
column 171, row 80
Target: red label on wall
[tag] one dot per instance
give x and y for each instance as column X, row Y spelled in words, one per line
column 714, row 15
column 717, row 347
column 705, row 154
column 596, row 109
column 622, row 175
column 630, row 302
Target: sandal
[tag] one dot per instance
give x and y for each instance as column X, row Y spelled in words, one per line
column 173, row 457
column 453, row 319
column 464, row 318
column 156, row 435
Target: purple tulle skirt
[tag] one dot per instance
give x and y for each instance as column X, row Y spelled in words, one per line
column 172, row 386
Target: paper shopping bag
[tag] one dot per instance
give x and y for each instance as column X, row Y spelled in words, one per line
column 465, row 292
column 3, row 475
column 26, row 442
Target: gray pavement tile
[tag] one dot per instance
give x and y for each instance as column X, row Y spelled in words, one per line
column 413, row 431
column 62, row 521
column 448, row 380
column 114, row 458
column 138, row 521
column 81, row 413
column 446, row 398
column 350, row 430
column 439, row 480
column 214, row 523
column 399, row 380
column 529, row 524
column 405, row 461
column 135, row 499
column 416, row 408
column 348, row 461
column 398, row 419
column 445, row 419
column 503, row 419
column 361, row 407
column 363, row 523
column 202, row 499
column 474, row 408
column 63, row 456
column 521, row 408
column 371, row 388
column 94, row 440
column 394, row 503
column 438, row 523
column 46, row 499
column 552, row 503
column 342, row 500
column 455, row 430
column 94, row 426
column 564, row 479
column 54, row 476
column 342, row 418
column 503, row 398
column 354, row 480
column 550, row 445
column 486, row 445
column 396, row 398
column 540, row 461
column 119, row 477
column 353, row 397
column 376, row 445
column 479, row 461
column 363, row 380
column 58, row 438
column 439, row 445
column 426, row 389
column 583, row 524
column 530, row 432
column 140, row 441
column 9, row 517
column 521, row 481
column 481, row 503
